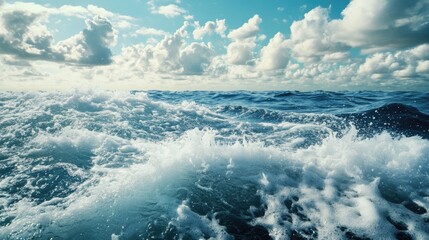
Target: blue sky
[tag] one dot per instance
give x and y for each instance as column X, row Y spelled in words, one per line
column 278, row 15
column 215, row 45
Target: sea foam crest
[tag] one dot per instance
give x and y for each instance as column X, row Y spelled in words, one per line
column 110, row 165
column 336, row 184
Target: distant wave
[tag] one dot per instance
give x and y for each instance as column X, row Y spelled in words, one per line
column 396, row 118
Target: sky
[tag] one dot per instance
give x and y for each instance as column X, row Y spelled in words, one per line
column 214, row 45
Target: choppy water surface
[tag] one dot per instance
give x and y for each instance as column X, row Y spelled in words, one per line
column 219, row 165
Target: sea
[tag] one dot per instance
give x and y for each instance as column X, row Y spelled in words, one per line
column 93, row 164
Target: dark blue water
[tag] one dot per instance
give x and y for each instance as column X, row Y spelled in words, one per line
column 214, row 165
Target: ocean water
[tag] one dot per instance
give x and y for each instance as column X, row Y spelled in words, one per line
column 214, row 165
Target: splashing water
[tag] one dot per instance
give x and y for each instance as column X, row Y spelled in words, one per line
column 214, row 165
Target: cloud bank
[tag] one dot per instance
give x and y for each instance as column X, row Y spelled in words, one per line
column 382, row 44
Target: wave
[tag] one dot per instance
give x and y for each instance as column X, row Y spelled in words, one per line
column 129, row 166
column 197, row 187
column 395, row 117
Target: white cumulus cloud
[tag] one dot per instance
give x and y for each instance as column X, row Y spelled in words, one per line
column 383, row 25
column 24, row 33
column 400, row 64
column 247, row 30
column 369, row 25
column 275, row 55
column 91, row 46
column 240, row 50
column 311, row 39
column 195, row 58
column 171, row 55
column 209, row 27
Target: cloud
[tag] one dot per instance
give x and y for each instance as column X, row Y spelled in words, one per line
column 221, row 27
column 167, row 52
column 118, row 20
column 396, row 70
column 209, row 27
column 163, row 57
column 81, row 12
column 9, row 60
column 401, row 64
column 23, row 34
column 171, row 55
column 91, row 46
column 383, row 25
column 151, row 31
column 326, row 75
column 423, row 67
column 311, row 39
column 316, row 55
column 169, row 11
column 195, row 58
column 421, row 51
column 365, row 24
column 247, row 30
column 240, row 50
column 275, row 55
column 188, row 17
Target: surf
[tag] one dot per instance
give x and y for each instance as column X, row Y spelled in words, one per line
column 171, row 165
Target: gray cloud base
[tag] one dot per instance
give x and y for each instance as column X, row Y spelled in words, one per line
column 24, row 35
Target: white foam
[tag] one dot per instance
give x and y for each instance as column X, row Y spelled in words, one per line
column 340, row 181
column 199, row 227
column 130, row 179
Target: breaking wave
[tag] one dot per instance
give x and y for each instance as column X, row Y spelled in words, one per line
column 214, row 165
